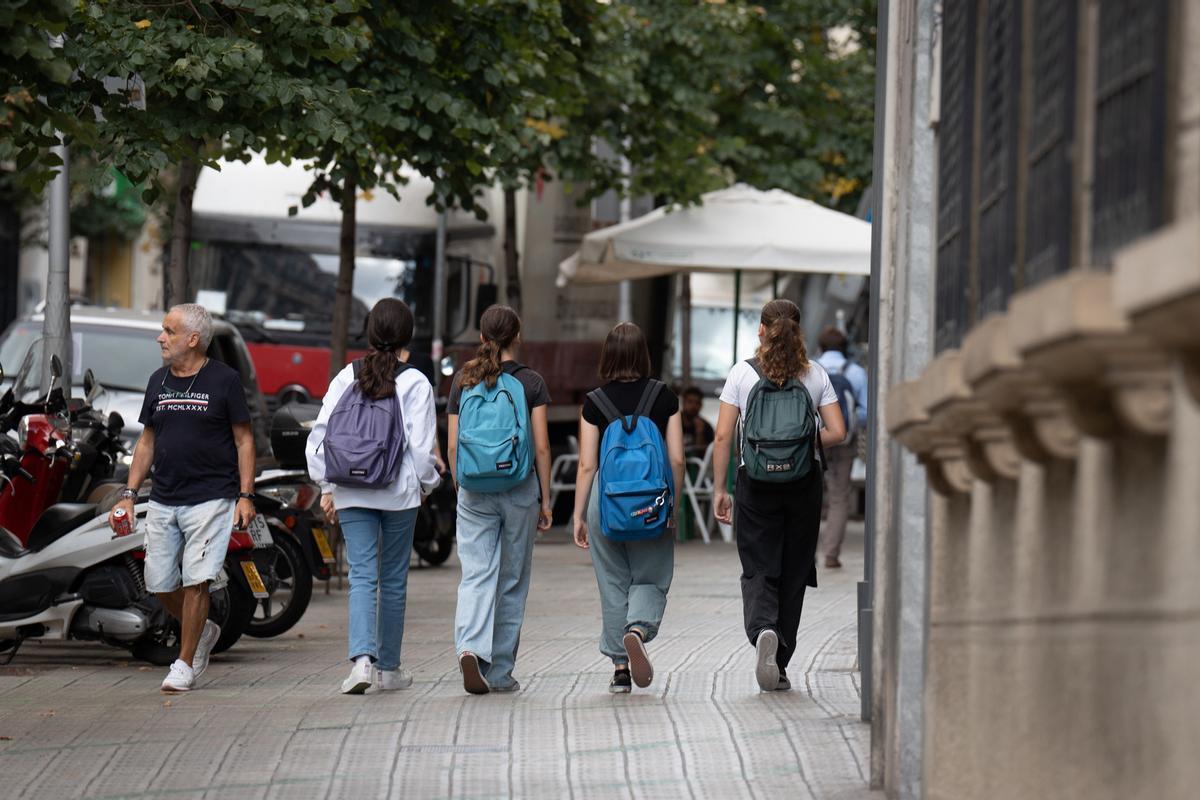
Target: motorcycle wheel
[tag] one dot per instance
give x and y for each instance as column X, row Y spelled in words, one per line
column 290, row 582
column 161, row 646
column 436, row 550
column 240, row 608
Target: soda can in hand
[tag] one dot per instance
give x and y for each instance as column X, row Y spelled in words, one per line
column 122, row 523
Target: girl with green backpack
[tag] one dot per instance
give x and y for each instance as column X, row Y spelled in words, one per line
column 499, row 454
column 778, row 396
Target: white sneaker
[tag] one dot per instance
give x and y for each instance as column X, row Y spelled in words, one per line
column 208, row 640
column 360, row 677
column 766, row 669
column 180, row 679
column 387, row 680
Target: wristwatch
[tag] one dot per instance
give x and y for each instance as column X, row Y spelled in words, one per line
column 247, row 496
column 129, row 494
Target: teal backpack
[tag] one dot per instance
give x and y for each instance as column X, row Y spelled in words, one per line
column 636, row 483
column 495, row 451
column 779, row 430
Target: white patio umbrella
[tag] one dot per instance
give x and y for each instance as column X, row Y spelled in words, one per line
column 736, row 229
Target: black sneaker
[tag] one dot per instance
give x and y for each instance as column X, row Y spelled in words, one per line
column 473, row 680
column 784, row 684
column 622, row 681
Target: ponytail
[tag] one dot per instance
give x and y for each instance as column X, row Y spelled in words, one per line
column 389, row 328
column 499, row 327
column 781, row 351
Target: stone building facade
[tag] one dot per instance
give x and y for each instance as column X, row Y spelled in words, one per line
column 1037, row 469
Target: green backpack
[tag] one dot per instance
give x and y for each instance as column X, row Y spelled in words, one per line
column 779, row 430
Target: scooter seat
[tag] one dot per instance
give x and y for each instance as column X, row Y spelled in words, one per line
column 10, row 545
column 57, row 521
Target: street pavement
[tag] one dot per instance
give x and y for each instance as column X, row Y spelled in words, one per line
column 81, row 720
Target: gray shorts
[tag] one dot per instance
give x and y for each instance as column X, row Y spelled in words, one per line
column 186, row 545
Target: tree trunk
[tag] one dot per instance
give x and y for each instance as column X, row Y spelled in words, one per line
column 512, row 270
column 175, row 279
column 345, row 279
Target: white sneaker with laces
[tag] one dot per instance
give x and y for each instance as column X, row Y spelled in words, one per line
column 387, row 680
column 360, row 677
column 208, row 640
column 181, row 678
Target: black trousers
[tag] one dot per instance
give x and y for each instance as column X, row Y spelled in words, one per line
column 777, row 526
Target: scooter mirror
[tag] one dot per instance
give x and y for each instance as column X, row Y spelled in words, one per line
column 115, row 423
column 56, row 367
column 1, row 372
column 89, row 383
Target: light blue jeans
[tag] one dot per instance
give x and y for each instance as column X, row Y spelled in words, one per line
column 378, row 548
column 634, row 578
column 495, row 535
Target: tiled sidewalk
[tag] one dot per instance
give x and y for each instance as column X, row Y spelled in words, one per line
column 84, row 721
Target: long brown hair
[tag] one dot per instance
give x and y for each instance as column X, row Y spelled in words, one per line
column 389, row 328
column 781, row 352
column 499, row 326
column 625, row 356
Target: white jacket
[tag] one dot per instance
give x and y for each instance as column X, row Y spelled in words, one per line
column 418, row 468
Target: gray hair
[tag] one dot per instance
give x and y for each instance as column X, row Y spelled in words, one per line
column 196, row 319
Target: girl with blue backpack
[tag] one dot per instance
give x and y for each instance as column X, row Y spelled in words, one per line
column 497, row 436
column 631, row 464
column 778, row 396
column 372, row 449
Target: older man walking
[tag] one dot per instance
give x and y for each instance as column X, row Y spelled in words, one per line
column 198, row 440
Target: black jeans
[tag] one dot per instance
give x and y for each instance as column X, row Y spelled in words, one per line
column 777, row 525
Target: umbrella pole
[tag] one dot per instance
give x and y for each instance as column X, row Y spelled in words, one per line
column 737, row 310
column 685, row 328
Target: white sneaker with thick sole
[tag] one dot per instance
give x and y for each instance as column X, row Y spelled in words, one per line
column 766, row 669
column 360, row 677
column 388, row 680
column 180, row 678
column 208, row 640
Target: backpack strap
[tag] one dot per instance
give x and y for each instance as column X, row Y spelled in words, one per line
column 607, row 408
column 756, row 366
column 649, row 397
column 513, row 368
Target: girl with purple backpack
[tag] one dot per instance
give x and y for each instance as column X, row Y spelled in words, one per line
column 375, row 496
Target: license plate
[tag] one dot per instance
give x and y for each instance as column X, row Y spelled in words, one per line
column 260, row 534
column 254, row 579
column 323, row 545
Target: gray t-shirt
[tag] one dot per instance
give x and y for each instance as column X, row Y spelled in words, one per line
column 536, row 393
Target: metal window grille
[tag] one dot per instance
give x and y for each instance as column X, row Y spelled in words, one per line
column 1127, row 196
column 951, row 315
column 1001, row 82
column 1048, row 197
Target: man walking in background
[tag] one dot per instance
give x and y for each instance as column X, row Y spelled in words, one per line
column 850, row 383
column 198, row 440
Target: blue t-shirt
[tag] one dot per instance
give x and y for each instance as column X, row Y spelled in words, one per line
column 195, row 458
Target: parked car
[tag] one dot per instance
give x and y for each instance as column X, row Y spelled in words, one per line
column 119, row 347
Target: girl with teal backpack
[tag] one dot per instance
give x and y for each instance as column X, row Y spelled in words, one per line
column 499, row 454
column 631, row 469
column 788, row 411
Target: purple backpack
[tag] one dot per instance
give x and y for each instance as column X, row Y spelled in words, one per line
column 364, row 439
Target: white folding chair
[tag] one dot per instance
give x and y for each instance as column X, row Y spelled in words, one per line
column 562, row 475
column 700, row 489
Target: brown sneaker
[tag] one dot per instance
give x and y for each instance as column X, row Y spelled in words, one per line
column 473, row 680
column 639, row 662
column 831, row 562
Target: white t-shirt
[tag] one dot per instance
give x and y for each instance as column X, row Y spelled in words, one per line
column 743, row 377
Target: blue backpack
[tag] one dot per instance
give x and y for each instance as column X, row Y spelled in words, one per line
column 846, row 401
column 495, row 451
column 364, row 439
column 636, row 485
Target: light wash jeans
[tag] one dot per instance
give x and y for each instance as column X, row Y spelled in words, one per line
column 495, row 535
column 378, row 547
column 633, row 577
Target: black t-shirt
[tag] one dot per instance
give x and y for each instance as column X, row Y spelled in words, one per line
column 626, row 395
column 195, row 458
column 536, row 393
